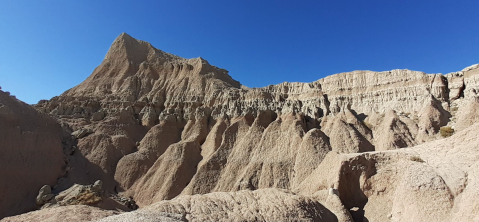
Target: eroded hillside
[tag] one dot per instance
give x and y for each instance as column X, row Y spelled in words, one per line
column 155, row 127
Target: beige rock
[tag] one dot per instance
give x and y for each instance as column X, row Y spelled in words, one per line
column 432, row 117
column 393, row 133
column 344, row 131
column 429, row 182
column 133, row 166
column 468, row 114
column 245, row 205
column 81, row 133
column 169, row 175
column 313, row 149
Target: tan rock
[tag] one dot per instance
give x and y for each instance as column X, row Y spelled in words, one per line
column 393, row 133
column 467, row 114
column 245, row 205
column 170, row 174
column 429, row 182
column 133, row 166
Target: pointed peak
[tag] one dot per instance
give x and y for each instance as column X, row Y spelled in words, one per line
column 125, row 36
column 127, row 47
column 125, row 39
column 203, row 61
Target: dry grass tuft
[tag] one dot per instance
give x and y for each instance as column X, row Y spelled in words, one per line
column 417, row 159
column 87, row 197
column 368, row 125
column 446, row 131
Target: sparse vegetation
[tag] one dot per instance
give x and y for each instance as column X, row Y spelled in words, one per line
column 415, row 118
column 87, row 197
column 454, row 109
column 417, row 159
column 368, row 125
column 446, row 131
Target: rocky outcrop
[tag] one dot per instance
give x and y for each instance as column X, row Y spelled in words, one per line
column 393, row 133
column 260, row 205
column 133, row 166
column 44, row 195
column 467, row 115
column 91, row 195
column 429, row 182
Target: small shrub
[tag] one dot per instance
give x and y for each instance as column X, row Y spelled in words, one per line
column 368, row 125
column 86, row 197
column 446, row 131
column 454, row 109
column 417, row 159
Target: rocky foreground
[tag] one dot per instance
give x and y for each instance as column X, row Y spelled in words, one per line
column 183, row 141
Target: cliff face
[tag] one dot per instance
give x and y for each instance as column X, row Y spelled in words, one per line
column 136, row 76
column 156, row 126
column 196, row 107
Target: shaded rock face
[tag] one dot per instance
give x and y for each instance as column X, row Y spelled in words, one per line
column 159, row 128
column 31, row 155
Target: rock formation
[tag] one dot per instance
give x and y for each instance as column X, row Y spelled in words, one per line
column 31, row 154
column 260, row 205
column 188, row 143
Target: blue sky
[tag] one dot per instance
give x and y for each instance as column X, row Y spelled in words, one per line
column 47, row 47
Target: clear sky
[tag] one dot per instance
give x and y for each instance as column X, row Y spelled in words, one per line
column 47, row 47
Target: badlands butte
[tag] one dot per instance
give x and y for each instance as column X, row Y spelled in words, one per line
column 151, row 136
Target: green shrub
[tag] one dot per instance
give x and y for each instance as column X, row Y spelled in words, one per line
column 446, row 131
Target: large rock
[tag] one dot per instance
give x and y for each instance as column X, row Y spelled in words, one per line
column 393, row 133
column 260, row 205
column 44, row 195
